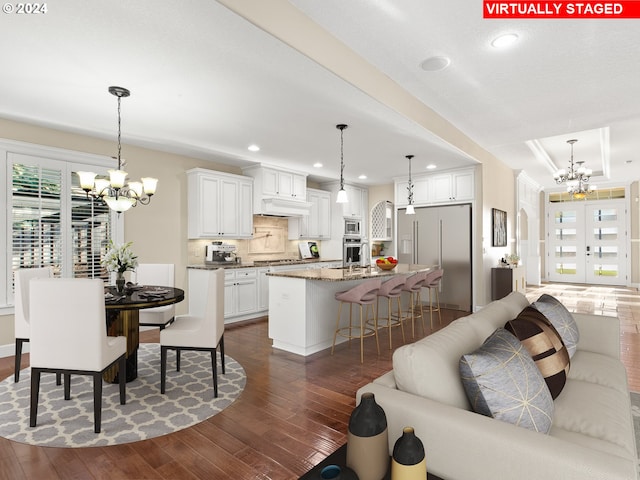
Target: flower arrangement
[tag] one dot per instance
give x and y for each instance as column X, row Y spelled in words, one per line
column 119, row 258
column 513, row 259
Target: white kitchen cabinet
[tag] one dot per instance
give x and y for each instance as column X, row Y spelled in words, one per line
column 219, row 204
column 354, row 208
column 452, row 186
column 316, row 225
column 277, row 191
column 240, row 292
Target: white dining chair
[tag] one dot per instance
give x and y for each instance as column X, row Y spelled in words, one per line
column 203, row 331
column 21, row 324
column 69, row 336
column 156, row 274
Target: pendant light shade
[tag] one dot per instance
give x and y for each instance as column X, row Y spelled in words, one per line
column 577, row 178
column 342, row 194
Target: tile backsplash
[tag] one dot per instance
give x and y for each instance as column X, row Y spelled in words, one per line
column 270, row 242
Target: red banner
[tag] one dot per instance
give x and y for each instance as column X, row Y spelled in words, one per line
column 561, row 9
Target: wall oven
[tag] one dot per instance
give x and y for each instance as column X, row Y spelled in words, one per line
column 351, row 251
column 351, row 227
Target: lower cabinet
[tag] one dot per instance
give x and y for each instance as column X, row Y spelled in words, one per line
column 240, row 294
column 507, row 280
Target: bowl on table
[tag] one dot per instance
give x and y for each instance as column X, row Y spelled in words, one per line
column 386, row 266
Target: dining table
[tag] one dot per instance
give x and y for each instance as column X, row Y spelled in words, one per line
column 123, row 319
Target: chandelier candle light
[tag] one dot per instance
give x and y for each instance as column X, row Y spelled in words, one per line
column 115, row 192
column 342, row 194
column 577, row 178
column 410, row 209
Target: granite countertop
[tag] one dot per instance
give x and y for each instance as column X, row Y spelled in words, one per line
column 264, row 263
column 343, row 274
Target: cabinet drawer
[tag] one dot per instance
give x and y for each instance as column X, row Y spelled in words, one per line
column 246, row 273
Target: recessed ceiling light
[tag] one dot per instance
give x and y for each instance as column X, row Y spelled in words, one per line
column 317, row 165
column 435, row 64
column 431, row 166
column 362, row 177
column 253, row 148
column 504, row 41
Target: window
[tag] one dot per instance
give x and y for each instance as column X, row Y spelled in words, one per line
column 49, row 221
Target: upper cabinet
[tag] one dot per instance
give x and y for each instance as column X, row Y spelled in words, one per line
column 278, row 191
column 219, row 204
column 357, row 202
column 453, row 186
column 316, row 225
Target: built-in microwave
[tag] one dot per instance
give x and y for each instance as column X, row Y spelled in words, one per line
column 351, row 226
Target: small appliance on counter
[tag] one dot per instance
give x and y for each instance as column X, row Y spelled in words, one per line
column 219, row 253
column 308, row 250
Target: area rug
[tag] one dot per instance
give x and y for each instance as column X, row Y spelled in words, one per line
column 148, row 413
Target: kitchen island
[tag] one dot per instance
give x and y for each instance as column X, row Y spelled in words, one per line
column 303, row 308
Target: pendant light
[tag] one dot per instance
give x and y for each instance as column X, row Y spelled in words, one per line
column 342, row 194
column 115, row 192
column 410, row 209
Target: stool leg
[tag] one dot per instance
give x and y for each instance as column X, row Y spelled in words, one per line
column 389, row 321
column 335, row 334
column 438, row 310
column 375, row 328
column 361, row 337
column 400, row 319
column 419, row 295
column 431, row 307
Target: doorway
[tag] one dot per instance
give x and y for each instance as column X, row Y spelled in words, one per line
column 587, row 242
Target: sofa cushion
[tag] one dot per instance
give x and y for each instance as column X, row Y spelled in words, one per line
column 596, row 411
column 561, row 318
column 600, row 369
column 429, row 367
column 502, row 381
column 543, row 342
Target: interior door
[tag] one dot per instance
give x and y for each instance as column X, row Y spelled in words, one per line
column 587, row 242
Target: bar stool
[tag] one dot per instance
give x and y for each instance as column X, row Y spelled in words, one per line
column 413, row 286
column 432, row 282
column 392, row 290
column 362, row 294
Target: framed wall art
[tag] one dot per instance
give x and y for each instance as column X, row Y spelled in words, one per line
column 499, row 228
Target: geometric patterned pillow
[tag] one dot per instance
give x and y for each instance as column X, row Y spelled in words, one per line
column 561, row 319
column 544, row 344
column 502, row 381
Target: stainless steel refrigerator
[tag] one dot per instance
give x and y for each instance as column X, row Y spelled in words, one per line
column 440, row 236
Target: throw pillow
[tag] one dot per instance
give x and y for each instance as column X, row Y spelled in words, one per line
column 502, row 381
column 543, row 342
column 561, row 319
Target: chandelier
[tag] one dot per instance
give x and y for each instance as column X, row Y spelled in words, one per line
column 577, row 178
column 410, row 209
column 342, row 194
column 115, row 192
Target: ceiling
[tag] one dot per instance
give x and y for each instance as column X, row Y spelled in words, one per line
column 207, row 82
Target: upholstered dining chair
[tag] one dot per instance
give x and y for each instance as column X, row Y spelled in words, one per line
column 156, row 274
column 69, row 336
column 203, row 330
column 21, row 313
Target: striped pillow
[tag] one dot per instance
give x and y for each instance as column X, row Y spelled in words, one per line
column 543, row 342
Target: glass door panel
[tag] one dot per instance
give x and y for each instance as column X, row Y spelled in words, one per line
column 566, row 243
column 605, row 243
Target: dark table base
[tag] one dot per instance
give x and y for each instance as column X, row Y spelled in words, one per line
column 124, row 323
column 339, row 457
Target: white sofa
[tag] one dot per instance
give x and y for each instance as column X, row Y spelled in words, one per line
column 592, row 435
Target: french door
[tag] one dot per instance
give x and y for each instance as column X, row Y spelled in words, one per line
column 587, row 242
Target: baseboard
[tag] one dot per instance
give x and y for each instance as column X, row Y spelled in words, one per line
column 9, row 350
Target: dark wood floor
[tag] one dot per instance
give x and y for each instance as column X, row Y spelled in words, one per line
column 292, row 413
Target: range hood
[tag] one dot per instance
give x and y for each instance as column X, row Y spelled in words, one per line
column 283, row 207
